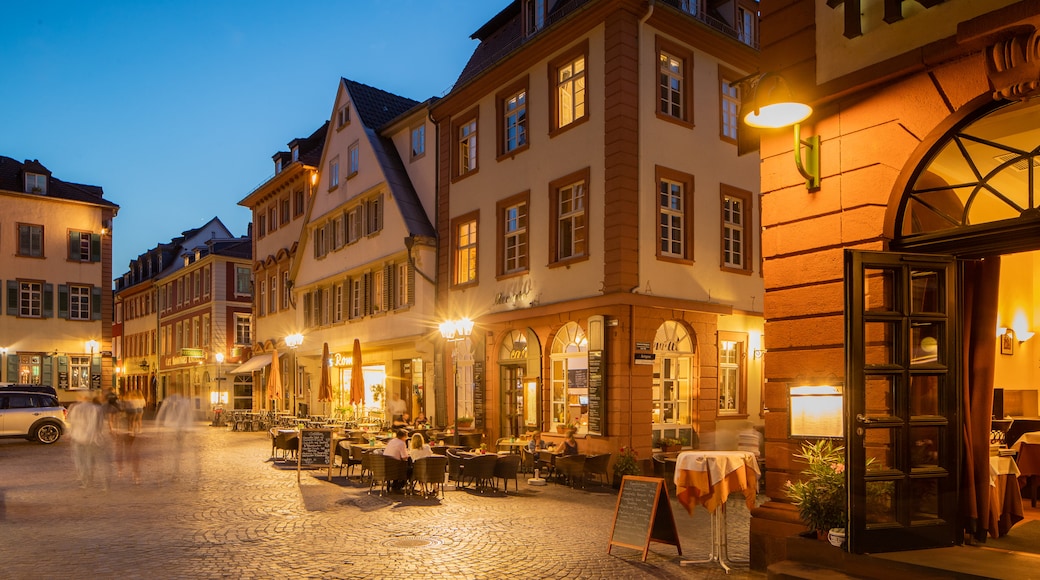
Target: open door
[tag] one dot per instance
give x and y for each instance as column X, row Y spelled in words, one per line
column 902, row 409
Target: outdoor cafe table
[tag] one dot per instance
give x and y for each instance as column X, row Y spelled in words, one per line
column 707, row 478
column 513, row 446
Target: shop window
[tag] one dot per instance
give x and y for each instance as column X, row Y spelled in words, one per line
column 569, row 389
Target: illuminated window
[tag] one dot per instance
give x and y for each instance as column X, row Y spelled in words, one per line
column 675, row 74
column 736, row 215
column 569, row 93
column 569, row 378
column 732, row 374
column 464, row 240
column 512, row 216
column 568, row 207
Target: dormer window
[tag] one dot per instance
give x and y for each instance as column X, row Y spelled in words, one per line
column 35, row 183
column 296, row 153
column 534, row 16
column 277, row 166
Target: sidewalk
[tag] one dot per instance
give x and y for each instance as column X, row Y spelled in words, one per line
column 223, row 509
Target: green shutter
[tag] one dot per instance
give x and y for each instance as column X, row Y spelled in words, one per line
column 74, row 247
column 12, row 368
column 63, row 301
column 47, row 370
column 411, row 285
column 12, row 298
column 95, row 247
column 95, row 303
column 48, row 300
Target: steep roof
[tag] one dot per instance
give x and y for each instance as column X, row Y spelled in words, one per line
column 376, row 108
column 12, row 178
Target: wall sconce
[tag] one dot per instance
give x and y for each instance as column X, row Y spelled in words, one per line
column 770, row 105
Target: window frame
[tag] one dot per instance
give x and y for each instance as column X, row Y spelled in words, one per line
column 472, row 249
column 665, row 46
column 417, row 138
column 35, row 232
column 740, row 368
column 299, row 203
column 686, row 180
column 728, row 191
column 35, row 181
column 555, row 186
column 726, row 79
column 471, row 117
column 503, row 234
column 581, row 50
column 334, row 173
column 243, row 329
column 31, row 298
column 343, row 116
column 504, row 114
column 353, row 159
column 243, row 281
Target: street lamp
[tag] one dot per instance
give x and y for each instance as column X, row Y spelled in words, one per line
column 293, row 341
column 455, row 331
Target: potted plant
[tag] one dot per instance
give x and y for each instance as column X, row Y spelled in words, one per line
column 627, row 464
column 820, row 494
column 668, row 444
column 465, row 422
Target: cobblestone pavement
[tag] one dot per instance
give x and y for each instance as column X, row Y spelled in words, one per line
column 223, row 507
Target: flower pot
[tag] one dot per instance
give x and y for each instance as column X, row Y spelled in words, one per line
column 836, row 536
column 561, row 429
column 671, row 448
column 465, row 424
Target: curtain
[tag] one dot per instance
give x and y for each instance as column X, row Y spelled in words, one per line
column 981, row 280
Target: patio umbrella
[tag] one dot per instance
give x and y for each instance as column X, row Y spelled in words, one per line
column 325, row 384
column 274, row 380
column 357, row 376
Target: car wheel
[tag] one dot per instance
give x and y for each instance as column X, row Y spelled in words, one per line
column 48, row 433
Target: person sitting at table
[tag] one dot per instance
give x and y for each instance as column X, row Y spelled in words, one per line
column 405, row 420
column 398, row 449
column 421, row 421
column 419, row 448
column 536, row 443
column 569, row 445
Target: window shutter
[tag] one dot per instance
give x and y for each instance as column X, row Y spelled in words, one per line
column 95, row 247
column 46, row 375
column 12, row 297
column 379, row 213
column 350, row 297
column 390, row 294
column 74, row 246
column 411, row 285
column 12, row 368
column 63, row 370
column 63, row 301
column 315, row 240
column 307, row 310
column 366, row 288
column 95, row 303
column 48, row 300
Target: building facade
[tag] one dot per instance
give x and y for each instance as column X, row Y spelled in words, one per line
column 597, row 224
column 924, row 252
column 56, row 259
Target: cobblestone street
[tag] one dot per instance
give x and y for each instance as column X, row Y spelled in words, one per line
column 223, row 508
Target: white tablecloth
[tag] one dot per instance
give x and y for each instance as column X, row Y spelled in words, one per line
column 718, row 464
column 1033, row 438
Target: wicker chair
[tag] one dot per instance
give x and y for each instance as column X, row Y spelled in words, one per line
column 429, row 472
column 481, row 469
column 285, row 441
column 506, row 468
column 455, row 469
column 596, row 466
column 571, row 469
column 349, row 456
column 385, row 470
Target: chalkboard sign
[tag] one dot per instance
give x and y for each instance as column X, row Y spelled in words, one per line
column 643, row 515
column 316, row 450
column 478, row 393
column 596, row 392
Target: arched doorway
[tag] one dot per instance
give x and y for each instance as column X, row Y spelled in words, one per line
column 921, row 327
column 519, row 364
column 674, row 385
column 568, row 381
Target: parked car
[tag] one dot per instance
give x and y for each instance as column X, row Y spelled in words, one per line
column 31, row 411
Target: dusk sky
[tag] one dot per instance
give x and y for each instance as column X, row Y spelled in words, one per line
column 176, row 107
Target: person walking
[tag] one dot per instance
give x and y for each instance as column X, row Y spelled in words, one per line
column 89, row 434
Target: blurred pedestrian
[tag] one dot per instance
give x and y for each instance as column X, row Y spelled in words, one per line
column 89, row 434
column 134, row 406
column 175, row 420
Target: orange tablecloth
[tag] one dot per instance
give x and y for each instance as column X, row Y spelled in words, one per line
column 1005, row 499
column 708, row 477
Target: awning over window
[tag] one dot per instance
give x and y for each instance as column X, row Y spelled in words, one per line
column 254, row 364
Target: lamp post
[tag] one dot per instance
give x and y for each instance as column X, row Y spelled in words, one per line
column 293, row 341
column 455, row 331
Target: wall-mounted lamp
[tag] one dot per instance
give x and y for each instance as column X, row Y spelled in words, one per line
column 769, row 104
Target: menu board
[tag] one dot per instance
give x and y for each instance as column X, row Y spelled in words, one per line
column 316, row 450
column 643, row 515
column 596, row 392
column 478, row 393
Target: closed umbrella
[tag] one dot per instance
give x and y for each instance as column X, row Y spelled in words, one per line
column 274, row 381
column 325, row 384
column 357, row 376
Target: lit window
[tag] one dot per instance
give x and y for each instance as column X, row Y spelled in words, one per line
column 464, row 239
column 672, row 214
column 732, row 381
column 671, row 86
column 736, row 207
column 243, row 330
column 79, row 372
column 568, row 205
column 568, row 384
column 570, row 90
column 466, row 145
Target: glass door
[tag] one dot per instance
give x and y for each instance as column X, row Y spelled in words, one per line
column 903, row 401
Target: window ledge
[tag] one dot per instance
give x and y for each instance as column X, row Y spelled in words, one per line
column 567, row 262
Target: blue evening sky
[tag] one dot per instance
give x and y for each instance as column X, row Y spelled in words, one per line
column 175, row 107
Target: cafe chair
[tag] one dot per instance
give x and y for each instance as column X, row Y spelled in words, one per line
column 385, row 471
column 596, row 466
column 429, row 473
column 439, row 449
column 455, row 469
column 528, row 460
column 471, row 440
column 571, row 469
column 665, row 470
column 481, row 469
column 505, row 469
column 285, row 441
